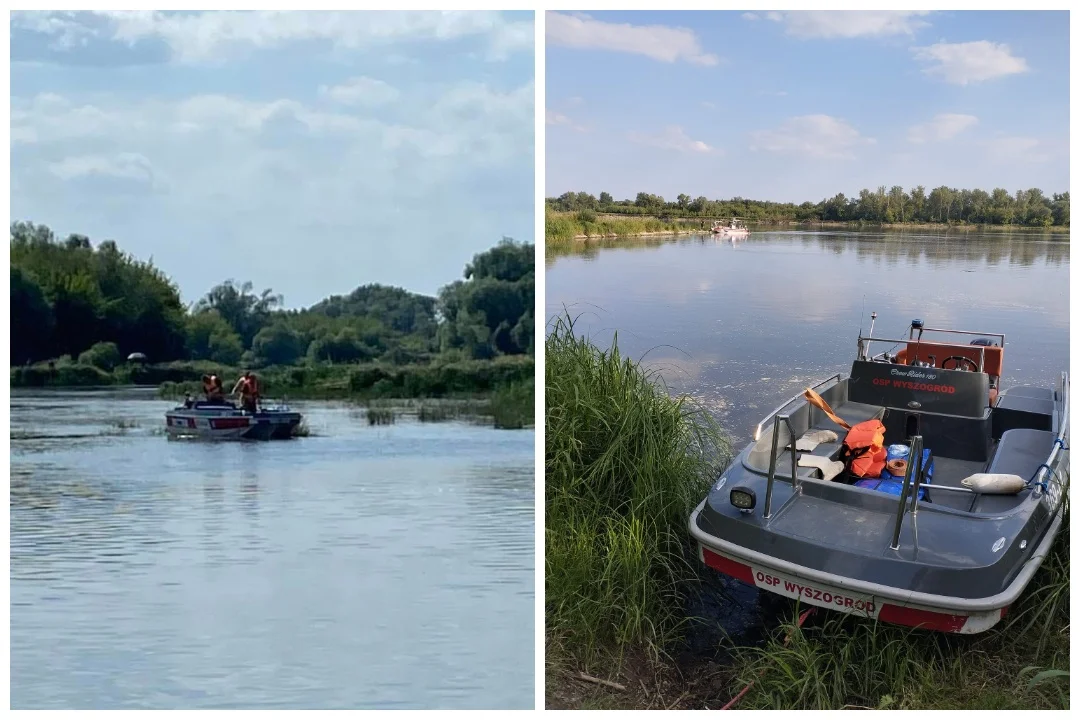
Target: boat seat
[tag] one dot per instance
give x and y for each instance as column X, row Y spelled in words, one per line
column 1021, row 451
column 853, row 412
column 916, row 350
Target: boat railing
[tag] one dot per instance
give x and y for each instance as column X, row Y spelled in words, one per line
column 1044, row 475
column 914, row 468
column 999, row 336
column 864, row 346
column 777, row 419
column 793, row 398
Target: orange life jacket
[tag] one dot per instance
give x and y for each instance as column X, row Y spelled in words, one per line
column 250, row 386
column 863, row 451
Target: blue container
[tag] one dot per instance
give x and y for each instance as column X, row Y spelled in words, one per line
column 897, row 452
column 892, row 484
column 886, row 484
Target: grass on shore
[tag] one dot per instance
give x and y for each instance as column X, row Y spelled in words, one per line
column 839, row 661
column 625, row 463
column 562, row 228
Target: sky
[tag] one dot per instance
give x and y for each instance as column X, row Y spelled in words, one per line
column 306, row 152
column 798, row 106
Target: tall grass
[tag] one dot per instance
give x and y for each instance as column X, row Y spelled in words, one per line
column 562, row 228
column 625, row 464
column 513, row 405
column 380, row 416
column 841, row 661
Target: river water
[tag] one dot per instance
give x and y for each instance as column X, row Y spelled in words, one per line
column 361, row 567
column 742, row 325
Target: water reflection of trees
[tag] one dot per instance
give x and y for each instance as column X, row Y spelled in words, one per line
column 1013, row 249
column 1019, row 249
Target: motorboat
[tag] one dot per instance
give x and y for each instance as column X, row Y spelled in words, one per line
column 940, row 546
column 733, row 229
column 223, row 420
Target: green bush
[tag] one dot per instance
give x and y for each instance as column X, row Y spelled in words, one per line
column 103, row 355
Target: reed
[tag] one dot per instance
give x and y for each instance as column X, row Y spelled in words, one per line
column 513, row 405
column 562, row 228
column 380, row 416
column 625, row 463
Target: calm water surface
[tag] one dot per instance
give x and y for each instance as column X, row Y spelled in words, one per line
column 743, row 325
column 384, row 567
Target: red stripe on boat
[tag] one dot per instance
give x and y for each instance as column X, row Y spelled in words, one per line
column 228, row 423
column 729, row 567
column 926, row 619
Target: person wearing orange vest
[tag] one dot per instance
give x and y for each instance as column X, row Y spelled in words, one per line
column 248, row 385
column 213, row 388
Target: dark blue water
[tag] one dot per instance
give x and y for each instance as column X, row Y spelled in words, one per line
column 362, row 567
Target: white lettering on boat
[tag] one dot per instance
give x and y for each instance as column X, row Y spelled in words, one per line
column 913, row 374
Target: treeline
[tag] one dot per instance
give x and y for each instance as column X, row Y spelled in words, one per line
column 1029, row 208
column 73, row 302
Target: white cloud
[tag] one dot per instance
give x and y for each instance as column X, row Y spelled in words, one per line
column 750, row 16
column 469, row 120
column 129, row 166
column 673, row 137
column 556, row 118
column 207, row 36
column 1016, row 150
column 816, row 136
column 65, row 31
column 659, row 42
column 850, row 23
column 361, row 91
column 971, row 62
column 944, row 126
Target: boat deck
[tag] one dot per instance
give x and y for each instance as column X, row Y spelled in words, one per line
column 1026, row 449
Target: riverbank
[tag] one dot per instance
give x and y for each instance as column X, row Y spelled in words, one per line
column 504, row 386
column 562, row 228
column 625, row 463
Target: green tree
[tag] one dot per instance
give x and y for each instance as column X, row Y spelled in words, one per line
column 31, row 319
column 277, row 345
column 103, row 355
column 245, row 311
column 210, row 337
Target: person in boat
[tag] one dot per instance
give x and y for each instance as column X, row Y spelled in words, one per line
column 212, row 387
column 248, row 387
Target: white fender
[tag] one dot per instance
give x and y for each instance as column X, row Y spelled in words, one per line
column 994, row 483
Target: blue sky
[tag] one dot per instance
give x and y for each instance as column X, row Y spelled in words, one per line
column 795, row 106
column 307, row 152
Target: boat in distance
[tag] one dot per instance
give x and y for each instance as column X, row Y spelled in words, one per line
column 223, row 420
